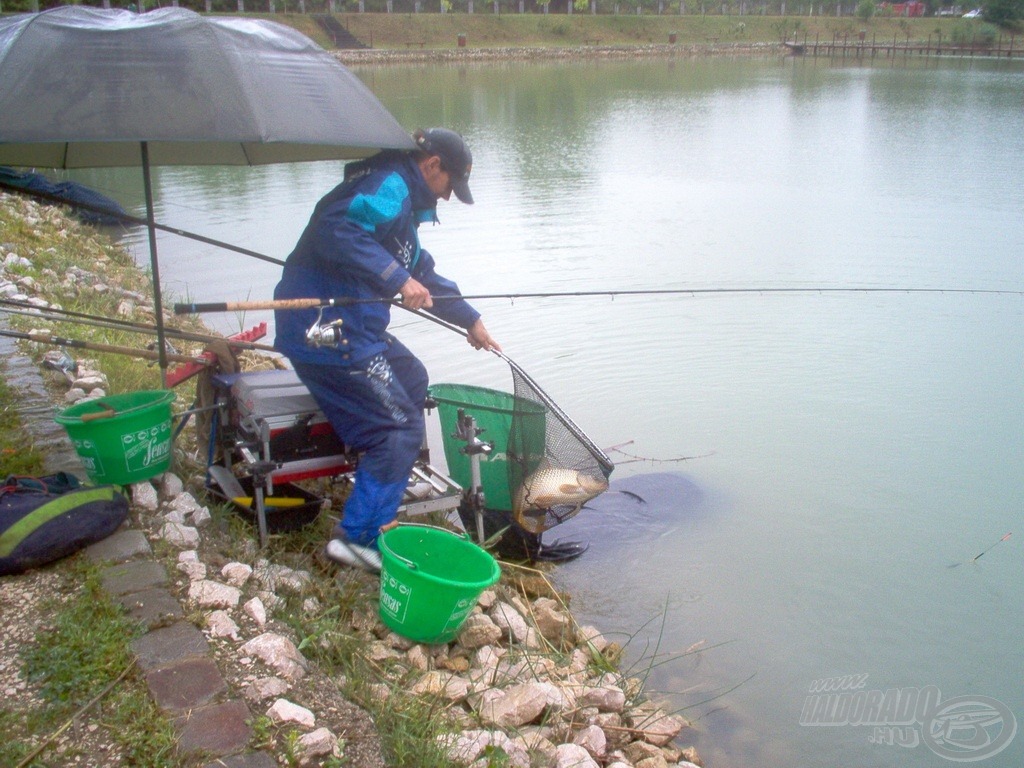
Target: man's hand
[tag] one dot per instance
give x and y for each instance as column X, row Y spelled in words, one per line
column 479, row 338
column 415, row 295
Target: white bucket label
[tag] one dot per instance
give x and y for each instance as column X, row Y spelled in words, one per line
column 145, row 448
column 89, row 454
column 394, row 596
column 459, row 614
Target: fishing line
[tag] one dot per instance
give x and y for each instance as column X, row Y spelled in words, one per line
column 978, row 556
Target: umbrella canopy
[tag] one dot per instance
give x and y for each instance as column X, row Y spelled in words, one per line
column 82, row 87
column 85, row 87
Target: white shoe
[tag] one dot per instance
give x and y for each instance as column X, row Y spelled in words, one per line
column 347, row 553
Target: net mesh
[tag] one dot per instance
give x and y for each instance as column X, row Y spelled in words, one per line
column 553, row 467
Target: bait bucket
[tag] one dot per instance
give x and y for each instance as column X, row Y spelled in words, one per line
column 122, row 439
column 430, row 580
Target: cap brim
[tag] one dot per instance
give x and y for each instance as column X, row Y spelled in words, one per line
column 461, row 190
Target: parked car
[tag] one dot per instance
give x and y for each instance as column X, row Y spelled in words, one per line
column 975, row 14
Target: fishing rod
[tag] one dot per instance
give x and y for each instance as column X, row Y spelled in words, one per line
column 45, row 337
column 345, row 301
column 30, row 310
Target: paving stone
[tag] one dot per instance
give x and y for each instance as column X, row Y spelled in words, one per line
column 133, row 577
column 248, row 760
column 217, row 729
column 185, row 684
column 152, row 607
column 168, row 645
column 119, row 547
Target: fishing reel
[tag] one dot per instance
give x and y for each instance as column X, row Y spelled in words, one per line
column 321, row 334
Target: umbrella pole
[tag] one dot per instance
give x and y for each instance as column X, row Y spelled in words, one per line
column 158, row 308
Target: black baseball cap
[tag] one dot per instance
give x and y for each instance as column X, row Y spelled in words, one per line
column 455, row 157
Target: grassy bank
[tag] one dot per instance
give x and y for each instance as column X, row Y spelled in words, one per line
column 484, row 29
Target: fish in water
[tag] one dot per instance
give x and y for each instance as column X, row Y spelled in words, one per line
column 550, row 486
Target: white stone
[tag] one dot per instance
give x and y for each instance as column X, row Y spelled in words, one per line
column 188, row 555
column 313, row 746
column 255, row 610
column 74, row 395
column 201, row 517
column 279, row 653
column 89, row 383
column 175, row 516
column 607, row 698
column 284, row 711
column 441, row 683
column 479, row 630
column 521, row 704
column 236, row 574
column 591, row 637
column 592, row 739
column 510, row 621
column 185, row 503
column 265, row 688
column 177, row 535
column 144, row 495
column 573, row 756
column 466, row 747
column 659, row 727
column 212, row 594
column 171, row 485
column 418, row 658
column 222, row 625
column 552, row 621
column 195, row 570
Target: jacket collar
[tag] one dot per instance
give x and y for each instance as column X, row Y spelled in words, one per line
column 424, row 204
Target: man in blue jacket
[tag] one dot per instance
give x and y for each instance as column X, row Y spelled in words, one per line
column 361, row 243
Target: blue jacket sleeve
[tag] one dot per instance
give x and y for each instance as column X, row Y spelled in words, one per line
column 456, row 311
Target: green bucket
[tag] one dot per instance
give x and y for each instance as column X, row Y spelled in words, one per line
column 430, row 580
column 492, row 411
column 122, row 439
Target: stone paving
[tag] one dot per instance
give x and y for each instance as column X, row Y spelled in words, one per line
column 183, row 680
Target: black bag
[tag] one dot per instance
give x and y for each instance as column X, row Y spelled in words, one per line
column 47, row 518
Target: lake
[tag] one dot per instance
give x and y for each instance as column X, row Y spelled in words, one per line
column 810, row 464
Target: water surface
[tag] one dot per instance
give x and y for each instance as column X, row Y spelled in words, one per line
column 847, row 448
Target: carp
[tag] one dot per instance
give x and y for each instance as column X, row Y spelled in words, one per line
column 550, row 486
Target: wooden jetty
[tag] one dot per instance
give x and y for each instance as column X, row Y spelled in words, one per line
column 843, row 47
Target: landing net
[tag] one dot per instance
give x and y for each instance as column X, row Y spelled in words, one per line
column 553, row 467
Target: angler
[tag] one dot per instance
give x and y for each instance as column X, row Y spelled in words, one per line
column 362, row 242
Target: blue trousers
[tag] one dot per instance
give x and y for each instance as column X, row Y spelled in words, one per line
column 376, row 408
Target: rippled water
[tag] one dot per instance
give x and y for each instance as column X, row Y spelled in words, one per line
column 847, row 448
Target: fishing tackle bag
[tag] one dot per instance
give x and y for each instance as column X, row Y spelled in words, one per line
column 44, row 519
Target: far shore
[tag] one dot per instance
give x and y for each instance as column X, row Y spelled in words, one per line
column 513, row 53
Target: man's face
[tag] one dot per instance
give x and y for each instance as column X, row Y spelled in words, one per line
column 439, row 181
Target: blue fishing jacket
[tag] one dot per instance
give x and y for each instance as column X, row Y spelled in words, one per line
column 361, row 242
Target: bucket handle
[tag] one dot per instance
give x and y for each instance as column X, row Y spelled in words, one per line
column 108, row 413
column 409, row 563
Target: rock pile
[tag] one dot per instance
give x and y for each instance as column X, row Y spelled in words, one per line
column 522, row 677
